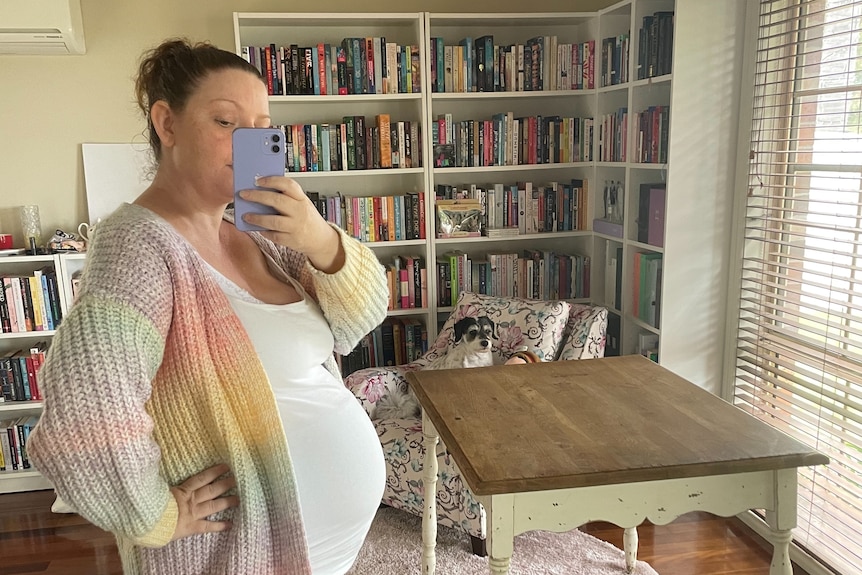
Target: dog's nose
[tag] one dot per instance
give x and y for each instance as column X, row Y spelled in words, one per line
column 485, row 343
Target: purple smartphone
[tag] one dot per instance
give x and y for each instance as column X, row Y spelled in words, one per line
column 256, row 152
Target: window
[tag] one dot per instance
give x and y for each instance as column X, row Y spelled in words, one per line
column 799, row 349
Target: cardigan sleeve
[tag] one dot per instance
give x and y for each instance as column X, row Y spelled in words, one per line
column 354, row 299
column 94, row 440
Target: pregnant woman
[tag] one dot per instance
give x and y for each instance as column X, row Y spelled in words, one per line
column 193, row 405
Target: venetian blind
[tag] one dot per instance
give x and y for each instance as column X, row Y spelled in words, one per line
column 799, row 350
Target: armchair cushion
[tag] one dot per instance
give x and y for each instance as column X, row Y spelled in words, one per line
column 538, row 325
column 586, row 332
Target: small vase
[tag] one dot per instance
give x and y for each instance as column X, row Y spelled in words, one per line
column 31, row 225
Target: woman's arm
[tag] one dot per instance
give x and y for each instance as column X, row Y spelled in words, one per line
column 343, row 276
column 354, row 299
column 94, row 439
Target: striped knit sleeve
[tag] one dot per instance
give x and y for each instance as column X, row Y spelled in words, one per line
column 353, row 299
column 94, row 440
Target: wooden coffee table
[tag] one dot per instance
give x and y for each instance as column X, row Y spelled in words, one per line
column 556, row 445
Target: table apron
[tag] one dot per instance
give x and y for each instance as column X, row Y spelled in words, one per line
column 661, row 501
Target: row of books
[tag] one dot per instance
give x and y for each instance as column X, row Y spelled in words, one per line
column 541, row 63
column 371, row 65
column 655, row 45
column 30, row 302
column 353, row 145
column 505, row 140
column 408, row 282
column 613, row 136
column 394, row 342
column 523, row 207
column 651, row 142
column 368, row 65
column 375, row 218
column 534, row 274
column 14, row 434
column 615, row 60
column 646, row 291
column 19, row 374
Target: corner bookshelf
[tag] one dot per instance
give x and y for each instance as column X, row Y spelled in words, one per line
column 400, row 102
column 29, row 479
column 643, row 92
column 624, row 96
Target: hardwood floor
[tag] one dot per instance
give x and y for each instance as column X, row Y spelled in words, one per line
column 34, row 541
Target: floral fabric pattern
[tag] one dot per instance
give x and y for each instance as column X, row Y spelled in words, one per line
column 538, row 325
column 553, row 329
column 586, row 333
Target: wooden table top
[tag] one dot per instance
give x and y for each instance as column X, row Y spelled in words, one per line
column 556, row 425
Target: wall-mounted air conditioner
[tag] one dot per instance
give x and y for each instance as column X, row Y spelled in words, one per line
column 41, row 27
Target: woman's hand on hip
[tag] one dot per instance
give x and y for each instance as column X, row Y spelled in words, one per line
column 298, row 225
column 200, row 496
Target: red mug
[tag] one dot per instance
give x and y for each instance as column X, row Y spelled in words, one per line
column 5, row 241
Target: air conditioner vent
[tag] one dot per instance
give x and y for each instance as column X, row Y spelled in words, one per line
column 41, row 27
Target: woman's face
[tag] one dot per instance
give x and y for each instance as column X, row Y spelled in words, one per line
column 202, row 150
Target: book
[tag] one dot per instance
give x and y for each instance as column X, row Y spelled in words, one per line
column 651, row 206
column 655, row 225
column 385, row 140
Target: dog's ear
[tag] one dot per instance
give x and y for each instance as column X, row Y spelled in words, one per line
column 493, row 326
column 460, row 325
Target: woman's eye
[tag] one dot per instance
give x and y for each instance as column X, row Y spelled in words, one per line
column 224, row 123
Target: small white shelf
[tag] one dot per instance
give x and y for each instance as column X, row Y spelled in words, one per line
column 27, row 334
column 514, row 168
column 21, row 406
column 22, row 480
column 354, row 173
column 507, row 95
column 343, row 99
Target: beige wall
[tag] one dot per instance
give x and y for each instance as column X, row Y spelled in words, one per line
column 50, row 105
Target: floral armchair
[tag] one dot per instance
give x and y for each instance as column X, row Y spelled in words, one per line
column 554, row 330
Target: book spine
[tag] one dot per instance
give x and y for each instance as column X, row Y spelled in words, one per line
column 5, row 321
column 383, row 123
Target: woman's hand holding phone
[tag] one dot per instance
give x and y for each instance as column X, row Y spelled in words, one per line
column 297, row 224
column 280, row 211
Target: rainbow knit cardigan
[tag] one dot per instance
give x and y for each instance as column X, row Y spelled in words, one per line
column 151, row 378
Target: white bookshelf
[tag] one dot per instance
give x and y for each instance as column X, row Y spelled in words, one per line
column 510, row 29
column 309, row 29
column 30, row 479
column 507, row 28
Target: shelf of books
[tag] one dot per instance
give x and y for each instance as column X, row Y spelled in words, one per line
column 348, row 91
column 631, row 170
column 497, row 153
column 32, row 303
column 512, row 112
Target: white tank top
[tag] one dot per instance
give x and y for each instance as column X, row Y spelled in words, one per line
column 336, row 455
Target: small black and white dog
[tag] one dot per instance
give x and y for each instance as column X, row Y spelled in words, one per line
column 472, row 349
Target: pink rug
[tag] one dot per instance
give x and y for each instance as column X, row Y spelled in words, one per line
column 393, row 547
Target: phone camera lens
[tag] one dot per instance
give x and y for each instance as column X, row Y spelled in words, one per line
column 275, row 138
column 276, row 149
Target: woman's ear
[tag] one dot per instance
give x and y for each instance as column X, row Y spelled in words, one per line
column 162, row 118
